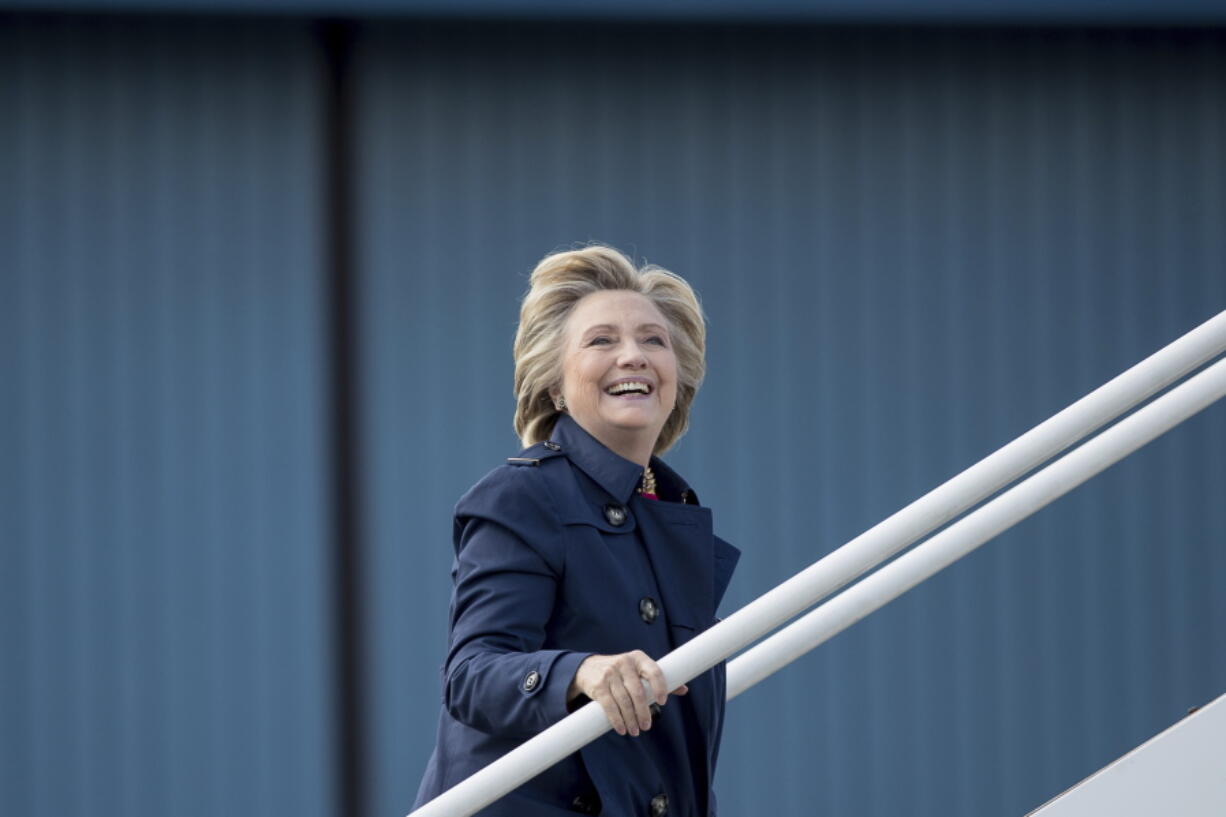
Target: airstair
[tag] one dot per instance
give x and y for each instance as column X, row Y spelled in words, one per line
column 1180, row 772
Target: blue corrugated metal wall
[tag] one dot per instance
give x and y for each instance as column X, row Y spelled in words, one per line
column 163, row 583
column 912, row 245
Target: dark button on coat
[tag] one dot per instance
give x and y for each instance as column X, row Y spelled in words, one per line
column 648, row 609
column 543, row 578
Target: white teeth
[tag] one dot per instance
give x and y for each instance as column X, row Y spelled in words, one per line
column 622, row 388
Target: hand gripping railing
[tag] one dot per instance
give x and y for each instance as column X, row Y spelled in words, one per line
column 891, row 536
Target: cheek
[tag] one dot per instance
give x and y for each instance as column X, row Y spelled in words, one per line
column 582, row 376
column 670, row 366
column 672, row 374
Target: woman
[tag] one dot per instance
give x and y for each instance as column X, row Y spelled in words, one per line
column 585, row 558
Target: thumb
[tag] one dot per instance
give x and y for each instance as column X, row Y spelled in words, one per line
column 681, row 690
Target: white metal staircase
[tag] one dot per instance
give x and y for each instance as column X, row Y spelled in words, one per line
column 1180, row 772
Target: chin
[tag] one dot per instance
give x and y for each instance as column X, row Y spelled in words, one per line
column 633, row 421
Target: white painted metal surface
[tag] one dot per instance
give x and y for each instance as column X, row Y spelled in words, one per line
column 1181, row 771
column 853, row 559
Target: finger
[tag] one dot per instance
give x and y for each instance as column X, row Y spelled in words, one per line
column 611, row 711
column 625, row 704
column 681, row 690
column 634, row 686
column 654, row 676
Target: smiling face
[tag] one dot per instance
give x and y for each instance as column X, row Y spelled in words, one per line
column 619, row 372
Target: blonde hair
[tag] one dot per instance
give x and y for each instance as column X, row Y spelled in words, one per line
column 559, row 282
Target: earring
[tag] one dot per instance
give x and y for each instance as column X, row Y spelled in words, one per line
column 560, row 403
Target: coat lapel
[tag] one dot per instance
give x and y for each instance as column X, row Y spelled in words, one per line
column 691, row 564
column 679, row 543
column 726, row 557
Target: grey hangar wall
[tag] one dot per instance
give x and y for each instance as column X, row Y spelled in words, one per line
column 912, row 244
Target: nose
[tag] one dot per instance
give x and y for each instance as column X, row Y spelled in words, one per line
column 632, row 356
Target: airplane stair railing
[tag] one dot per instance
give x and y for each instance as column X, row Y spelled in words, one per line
column 891, row 536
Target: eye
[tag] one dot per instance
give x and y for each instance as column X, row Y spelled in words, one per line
column 600, row 340
column 657, row 340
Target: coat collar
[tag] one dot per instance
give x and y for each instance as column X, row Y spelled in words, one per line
column 615, row 474
column 618, row 476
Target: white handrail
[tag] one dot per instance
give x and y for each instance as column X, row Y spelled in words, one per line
column 850, row 561
column 976, row 528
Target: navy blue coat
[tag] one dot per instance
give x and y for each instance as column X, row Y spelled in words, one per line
column 558, row 558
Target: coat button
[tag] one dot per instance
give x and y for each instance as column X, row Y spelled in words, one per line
column 616, row 515
column 552, row 446
column 659, row 805
column 648, row 609
column 531, row 680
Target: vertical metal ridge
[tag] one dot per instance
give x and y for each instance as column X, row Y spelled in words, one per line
column 148, row 312
column 344, row 384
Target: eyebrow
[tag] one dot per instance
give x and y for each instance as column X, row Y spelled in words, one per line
column 607, row 327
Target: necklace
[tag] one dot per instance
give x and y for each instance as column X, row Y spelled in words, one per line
column 647, row 487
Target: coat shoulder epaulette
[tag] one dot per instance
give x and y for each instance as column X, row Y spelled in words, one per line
column 534, row 455
column 520, row 499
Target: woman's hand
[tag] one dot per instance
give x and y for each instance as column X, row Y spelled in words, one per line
column 616, row 683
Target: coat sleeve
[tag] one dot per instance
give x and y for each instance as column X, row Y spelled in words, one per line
column 498, row 676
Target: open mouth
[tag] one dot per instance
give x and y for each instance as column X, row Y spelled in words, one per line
column 629, row 388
